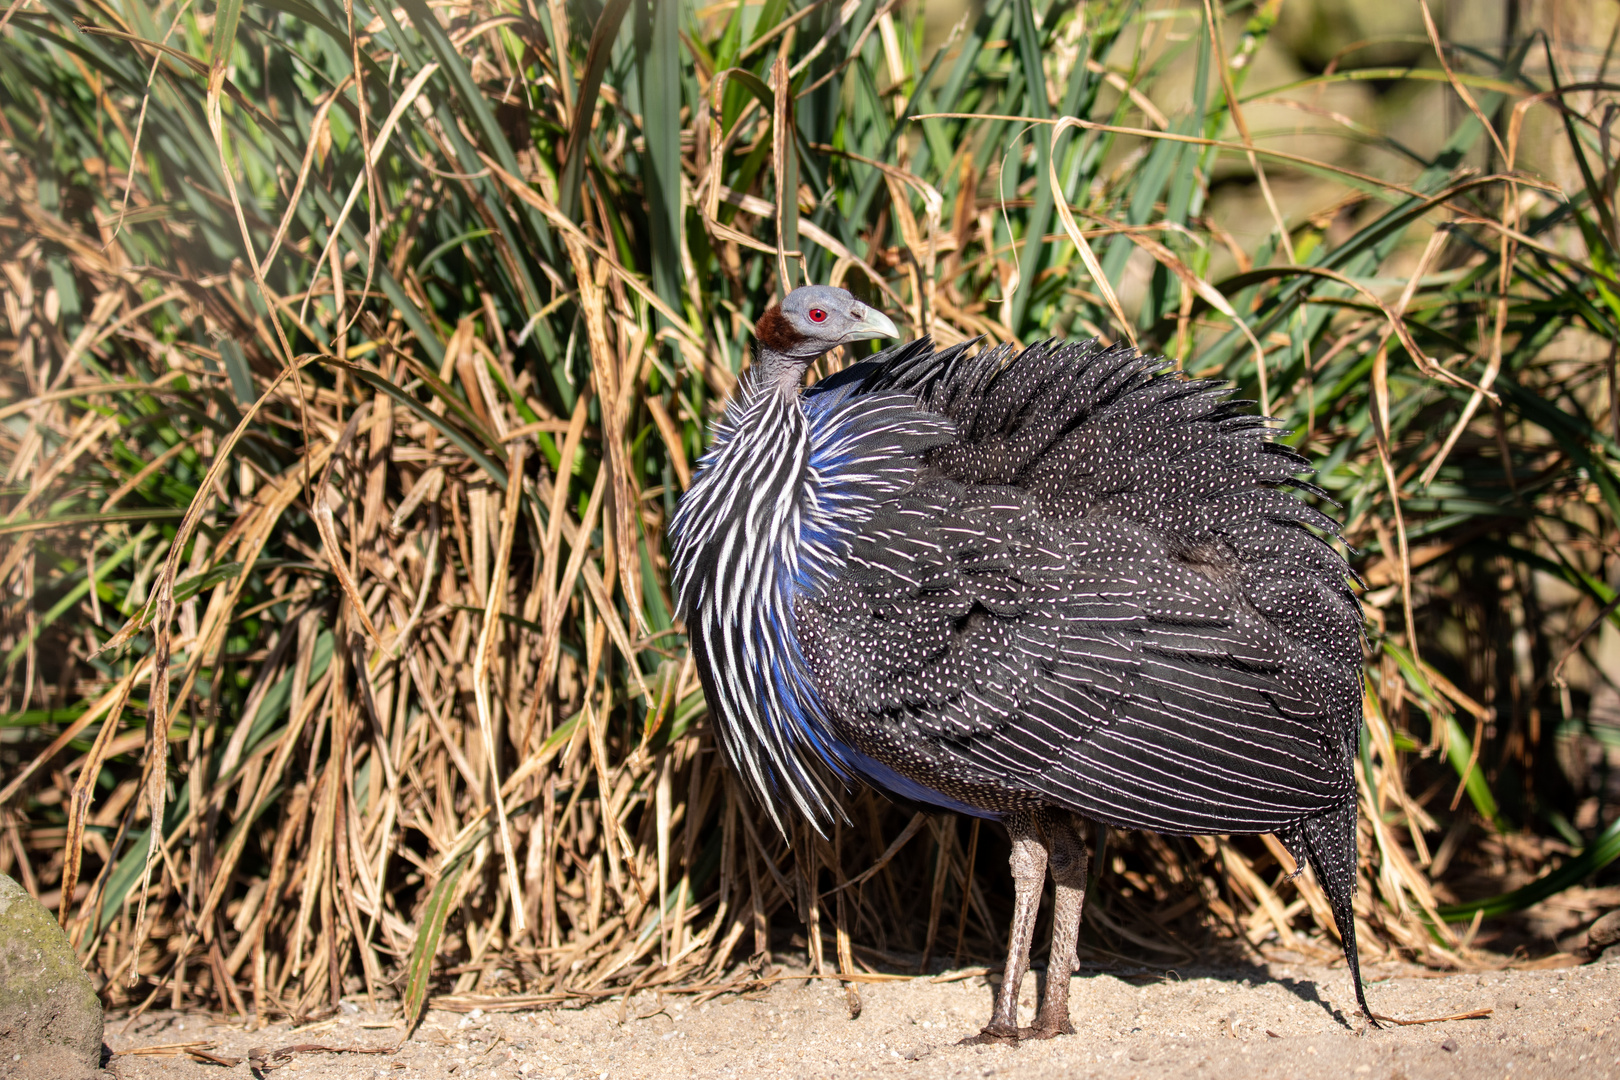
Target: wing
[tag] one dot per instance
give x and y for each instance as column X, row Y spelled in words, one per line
column 1102, row 597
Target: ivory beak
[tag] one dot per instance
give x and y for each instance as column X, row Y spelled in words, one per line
column 872, row 324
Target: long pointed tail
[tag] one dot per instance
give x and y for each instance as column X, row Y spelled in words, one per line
column 1328, row 841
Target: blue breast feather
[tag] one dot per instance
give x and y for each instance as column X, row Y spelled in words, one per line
column 864, row 448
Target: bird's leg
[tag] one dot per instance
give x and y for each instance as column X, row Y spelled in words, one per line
column 1029, row 875
column 1069, row 865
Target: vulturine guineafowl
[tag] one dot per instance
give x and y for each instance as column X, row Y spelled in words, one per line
column 1036, row 587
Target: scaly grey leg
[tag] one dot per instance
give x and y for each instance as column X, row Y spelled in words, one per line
column 1069, row 865
column 1029, row 875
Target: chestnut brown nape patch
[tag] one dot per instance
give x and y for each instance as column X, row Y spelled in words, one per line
column 775, row 332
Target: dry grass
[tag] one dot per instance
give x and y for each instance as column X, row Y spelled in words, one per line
column 358, row 416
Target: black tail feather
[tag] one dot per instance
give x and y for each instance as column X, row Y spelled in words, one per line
column 1328, row 842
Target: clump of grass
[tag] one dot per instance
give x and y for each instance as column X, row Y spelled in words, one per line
column 357, row 357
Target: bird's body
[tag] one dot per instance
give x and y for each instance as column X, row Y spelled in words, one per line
column 1025, row 587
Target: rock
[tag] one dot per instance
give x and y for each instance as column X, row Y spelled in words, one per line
column 50, row 1016
column 1603, row 933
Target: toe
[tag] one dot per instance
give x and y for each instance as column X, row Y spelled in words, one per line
column 993, row 1035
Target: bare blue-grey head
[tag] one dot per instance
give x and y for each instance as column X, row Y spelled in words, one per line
column 810, row 322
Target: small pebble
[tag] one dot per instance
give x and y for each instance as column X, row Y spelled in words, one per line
column 1449, row 1046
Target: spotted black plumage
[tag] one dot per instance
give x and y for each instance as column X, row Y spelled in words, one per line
column 1024, row 586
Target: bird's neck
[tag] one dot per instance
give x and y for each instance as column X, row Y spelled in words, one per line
column 778, row 371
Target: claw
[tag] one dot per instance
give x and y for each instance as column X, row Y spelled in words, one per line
column 994, row 1035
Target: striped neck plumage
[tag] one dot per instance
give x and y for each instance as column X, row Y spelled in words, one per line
column 739, row 541
column 771, row 515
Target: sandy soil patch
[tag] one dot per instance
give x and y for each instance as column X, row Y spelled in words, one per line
column 1216, row 1023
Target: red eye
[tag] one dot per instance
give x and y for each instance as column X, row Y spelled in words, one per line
column 817, row 315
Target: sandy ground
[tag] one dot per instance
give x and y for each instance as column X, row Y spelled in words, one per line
column 1220, row 1024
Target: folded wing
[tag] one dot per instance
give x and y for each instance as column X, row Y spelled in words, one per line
column 1102, row 595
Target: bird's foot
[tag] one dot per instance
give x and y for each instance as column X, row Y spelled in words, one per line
column 1046, row 1031
column 995, row 1034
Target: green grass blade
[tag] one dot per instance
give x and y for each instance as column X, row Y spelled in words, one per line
column 660, row 84
column 590, row 86
column 429, row 929
column 1603, row 851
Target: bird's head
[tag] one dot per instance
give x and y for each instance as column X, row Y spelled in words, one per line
column 813, row 320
